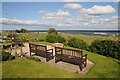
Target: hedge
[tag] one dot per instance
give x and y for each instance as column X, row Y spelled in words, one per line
column 55, row 38
column 106, row 47
column 77, row 43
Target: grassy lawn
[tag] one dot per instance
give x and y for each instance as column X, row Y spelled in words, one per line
column 25, row 68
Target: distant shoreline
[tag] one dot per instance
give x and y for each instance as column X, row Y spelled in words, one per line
column 85, row 32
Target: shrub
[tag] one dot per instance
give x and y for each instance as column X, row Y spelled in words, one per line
column 21, row 31
column 54, row 38
column 12, row 35
column 6, row 46
column 77, row 43
column 52, row 31
column 7, row 56
column 106, row 48
column 33, row 58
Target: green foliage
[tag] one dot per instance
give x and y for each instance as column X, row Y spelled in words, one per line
column 32, row 37
column 52, row 31
column 33, row 58
column 7, row 56
column 6, row 46
column 12, row 35
column 21, row 31
column 55, row 38
column 18, row 31
column 77, row 43
column 106, row 48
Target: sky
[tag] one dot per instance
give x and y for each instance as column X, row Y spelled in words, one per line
column 59, row 15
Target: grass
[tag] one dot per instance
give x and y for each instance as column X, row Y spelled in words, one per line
column 46, row 43
column 105, row 67
column 23, row 68
column 89, row 39
column 42, row 37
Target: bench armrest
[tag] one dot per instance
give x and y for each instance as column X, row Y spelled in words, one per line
column 84, row 56
column 49, row 49
column 50, row 52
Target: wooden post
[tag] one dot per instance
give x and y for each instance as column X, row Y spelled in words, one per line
column 15, row 50
column 30, row 48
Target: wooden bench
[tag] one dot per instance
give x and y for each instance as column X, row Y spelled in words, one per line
column 41, row 50
column 71, row 56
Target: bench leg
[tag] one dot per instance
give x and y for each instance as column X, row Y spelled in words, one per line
column 46, row 60
column 80, row 66
column 85, row 63
column 56, row 60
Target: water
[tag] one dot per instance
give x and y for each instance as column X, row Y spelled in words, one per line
column 85, row 32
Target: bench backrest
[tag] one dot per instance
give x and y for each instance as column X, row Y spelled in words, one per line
column 37, row 48
column 68, row 52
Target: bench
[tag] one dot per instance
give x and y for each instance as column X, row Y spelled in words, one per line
column 41, row 50
column 71, row 56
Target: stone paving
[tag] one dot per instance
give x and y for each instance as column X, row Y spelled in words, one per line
column 60, row 64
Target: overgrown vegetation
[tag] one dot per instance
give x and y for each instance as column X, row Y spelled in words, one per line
column 106, row 47
column 52, row 31
column 54, row 37
column 6, row 46
column 77, row 43
column 7, row 56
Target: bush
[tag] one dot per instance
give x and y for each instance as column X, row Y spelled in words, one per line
column 12, row 35
column 54, row 38
column 52, row 31
column 106, row 48
column 6, row 46
column 77, row 43
column 33, row 58
column 7, row 56
column 22, row 31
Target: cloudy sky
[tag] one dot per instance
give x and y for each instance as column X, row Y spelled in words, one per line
column 60, row 15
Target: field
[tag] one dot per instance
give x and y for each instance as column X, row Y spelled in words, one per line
column 105, row 67
column 85, row 38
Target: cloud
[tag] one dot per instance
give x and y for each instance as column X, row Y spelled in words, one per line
column 72, row 6
column 95, row 21
column 99, row 10
column 69, row 0
column 59, row 13
column 19, row 22
column 63, row 13
column 41, row 12
column 117, row 0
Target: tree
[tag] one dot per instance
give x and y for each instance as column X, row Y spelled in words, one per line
column 17, row 31
column 23, row 30
column 52, row 31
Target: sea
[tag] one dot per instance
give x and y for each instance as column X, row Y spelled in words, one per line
column 84, row 32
